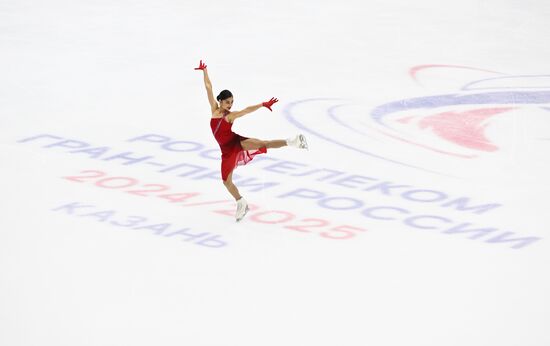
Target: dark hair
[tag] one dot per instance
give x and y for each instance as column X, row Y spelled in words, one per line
column 225, row 94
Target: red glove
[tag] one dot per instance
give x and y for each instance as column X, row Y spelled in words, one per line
column 201, row 66
column 270, row 103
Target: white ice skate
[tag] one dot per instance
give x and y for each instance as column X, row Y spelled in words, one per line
column 298, row 142
column 242, row 209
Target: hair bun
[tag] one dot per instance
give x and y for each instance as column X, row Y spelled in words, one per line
column 224, row 95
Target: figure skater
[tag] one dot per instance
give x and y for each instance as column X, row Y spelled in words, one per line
column 238, row 150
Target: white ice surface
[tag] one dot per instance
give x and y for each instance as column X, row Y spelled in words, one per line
column 97, row 74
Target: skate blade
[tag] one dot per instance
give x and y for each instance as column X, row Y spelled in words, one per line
column 303, row 142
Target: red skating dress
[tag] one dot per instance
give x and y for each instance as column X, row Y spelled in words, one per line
column 233, row 154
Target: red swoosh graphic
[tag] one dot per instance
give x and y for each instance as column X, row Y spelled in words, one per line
column 464, row 128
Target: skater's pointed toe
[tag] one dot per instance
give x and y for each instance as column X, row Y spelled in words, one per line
column 299, row 141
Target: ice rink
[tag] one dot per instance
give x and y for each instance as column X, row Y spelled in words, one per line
column 418, row 216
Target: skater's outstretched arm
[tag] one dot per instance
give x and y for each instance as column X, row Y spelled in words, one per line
column 208, row 85
column 234, row 115
column 237, row 114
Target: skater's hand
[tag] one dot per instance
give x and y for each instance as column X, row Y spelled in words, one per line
column 202, row 66
column 270, row 103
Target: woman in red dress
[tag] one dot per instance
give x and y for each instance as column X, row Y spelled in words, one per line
column 238, row 150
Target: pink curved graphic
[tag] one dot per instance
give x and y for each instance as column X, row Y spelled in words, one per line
column 464, row 128
column 415, row 69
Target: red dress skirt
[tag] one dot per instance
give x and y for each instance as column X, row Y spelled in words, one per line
column 233, row 154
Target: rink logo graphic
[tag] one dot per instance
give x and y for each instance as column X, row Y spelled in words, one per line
column 388, row 196
column 454, row 126
column 464, row 127
column 135, row 222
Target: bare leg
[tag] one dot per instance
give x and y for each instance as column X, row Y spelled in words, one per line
column 277, row 143
column 252, row 143
column 231, row 187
